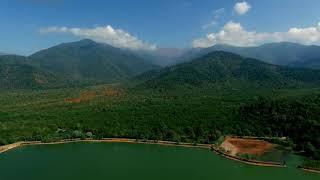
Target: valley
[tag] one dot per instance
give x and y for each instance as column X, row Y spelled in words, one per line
column 199, row 101
column 163, row 89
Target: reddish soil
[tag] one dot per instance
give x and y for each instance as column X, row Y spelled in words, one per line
column 246, row 146
column 89, row 95
column 112, row 92
column 84, row 97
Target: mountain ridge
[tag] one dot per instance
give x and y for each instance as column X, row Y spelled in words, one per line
column 221, row 67
column 87, row 59
column 15, row 73
column 283, row 53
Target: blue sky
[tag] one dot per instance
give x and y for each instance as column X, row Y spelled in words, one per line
column 30, row 25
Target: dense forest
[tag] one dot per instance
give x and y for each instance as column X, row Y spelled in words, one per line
column 196, row 115
column 296, row 119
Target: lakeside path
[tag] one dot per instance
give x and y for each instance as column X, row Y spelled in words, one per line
column 8, row 147
column 309, row 170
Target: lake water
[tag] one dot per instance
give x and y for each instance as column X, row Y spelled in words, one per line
column 121, row 161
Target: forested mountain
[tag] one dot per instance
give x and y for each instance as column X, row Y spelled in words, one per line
column 15, row 73
column 89, row 60
column 76, row 63
column 230, row 69
column 284, row 53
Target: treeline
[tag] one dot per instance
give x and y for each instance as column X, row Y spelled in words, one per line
column 297, row 119
column 198, row 117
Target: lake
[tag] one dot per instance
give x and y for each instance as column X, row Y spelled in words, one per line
column 122, row 161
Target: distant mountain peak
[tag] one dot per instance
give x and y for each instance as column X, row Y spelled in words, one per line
column 89, row 60
column 83, row 42
column 284, row 43
column 87, row 41
column 221, row 53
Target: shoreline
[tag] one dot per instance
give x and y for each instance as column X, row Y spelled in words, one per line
column 248, row 161
column 12, row 146
column 309, row 169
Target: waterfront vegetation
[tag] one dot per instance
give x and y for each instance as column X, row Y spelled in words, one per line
column 194, row 115
column 311, row 164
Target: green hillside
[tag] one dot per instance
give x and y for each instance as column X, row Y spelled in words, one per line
column 284, row 53
column 88, row 60
column 227, row 69
column 15, row 73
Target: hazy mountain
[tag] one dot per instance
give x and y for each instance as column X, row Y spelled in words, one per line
column 15, row 73
column 284, row 53
column 2, row 54
column 163, row 56
column 275, row 53
column 311, row 64
column 88, row 60
column 230, row 69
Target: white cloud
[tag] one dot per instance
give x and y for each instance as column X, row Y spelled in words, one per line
column 242, row 7
column 216, row 15
column 219, row 11
column 210, row 24
column 106, row 34
column 234, row 34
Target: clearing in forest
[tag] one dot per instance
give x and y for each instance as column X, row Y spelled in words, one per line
column 236, row 146
column 89, row 95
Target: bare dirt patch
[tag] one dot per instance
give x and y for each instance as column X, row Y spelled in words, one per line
column 112, row 92
column 87, row 96
column 236, row 146
column 84, row 97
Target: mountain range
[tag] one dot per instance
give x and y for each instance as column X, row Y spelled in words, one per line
column 284, row 53
column 88, row 62
column 221, row 68
column 84, row 61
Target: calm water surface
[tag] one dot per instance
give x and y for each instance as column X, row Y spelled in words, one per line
column 121, row 161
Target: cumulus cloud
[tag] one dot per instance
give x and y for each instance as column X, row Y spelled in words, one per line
column 106, row 34
column 234, row 34
column 242, row 8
